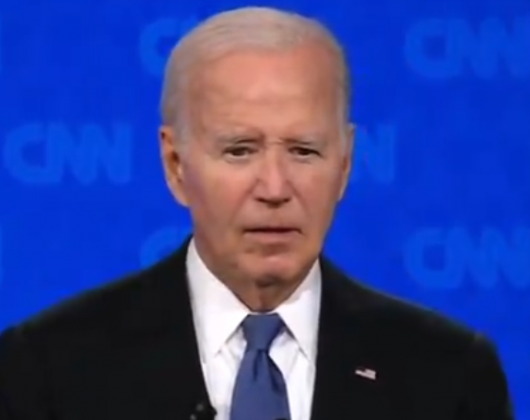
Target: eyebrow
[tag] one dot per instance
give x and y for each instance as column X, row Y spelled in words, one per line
column 305, row 139
column 228, row 137
column 231, row 135
column 308, row 140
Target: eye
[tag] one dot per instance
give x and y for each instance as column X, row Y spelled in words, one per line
column 304, row 151
column 239, row 151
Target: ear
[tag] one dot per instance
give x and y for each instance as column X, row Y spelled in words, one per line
column 173, row 163
column 347, row 159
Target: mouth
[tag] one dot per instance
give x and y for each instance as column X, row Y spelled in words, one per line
column 273, row 231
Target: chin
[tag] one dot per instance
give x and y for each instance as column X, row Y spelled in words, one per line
column 274, row 269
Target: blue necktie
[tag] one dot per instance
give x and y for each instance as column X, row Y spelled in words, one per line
column 260, row 392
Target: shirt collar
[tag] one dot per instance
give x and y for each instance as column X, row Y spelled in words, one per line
column 218, row 312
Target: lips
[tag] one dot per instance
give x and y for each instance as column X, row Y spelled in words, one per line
column 271, row 229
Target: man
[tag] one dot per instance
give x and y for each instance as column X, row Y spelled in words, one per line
column 247, row 320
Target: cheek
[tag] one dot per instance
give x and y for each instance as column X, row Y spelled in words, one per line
column 315, row 204
column 320, row 187
column 318, row 198
column 215, row 197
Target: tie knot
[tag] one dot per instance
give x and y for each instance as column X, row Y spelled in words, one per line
column 261, row 330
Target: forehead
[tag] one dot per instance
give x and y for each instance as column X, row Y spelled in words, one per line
column 298, row 85
column 256, row 75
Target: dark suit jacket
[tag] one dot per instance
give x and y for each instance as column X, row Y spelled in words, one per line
column 128, row 352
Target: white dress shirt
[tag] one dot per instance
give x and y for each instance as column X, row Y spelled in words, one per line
column 218, row 313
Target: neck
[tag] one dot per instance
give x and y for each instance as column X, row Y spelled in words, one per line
column 261, row 294
column 259, row 298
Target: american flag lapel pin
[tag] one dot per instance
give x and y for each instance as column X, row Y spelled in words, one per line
column 366, row 373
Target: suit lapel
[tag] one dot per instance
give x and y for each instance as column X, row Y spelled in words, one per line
column 345, row 366
column 175, row 380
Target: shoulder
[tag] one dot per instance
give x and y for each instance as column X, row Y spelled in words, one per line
column 414, row 322
column 406, row 327
column 414, row 341
column 422, row 343
column 88, row 332
column 120, row 306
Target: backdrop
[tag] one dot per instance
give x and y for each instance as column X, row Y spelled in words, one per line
column 438, row 209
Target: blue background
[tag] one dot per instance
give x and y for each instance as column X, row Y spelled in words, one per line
column 438, row 210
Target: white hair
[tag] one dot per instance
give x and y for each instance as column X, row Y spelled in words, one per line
column 259, row 28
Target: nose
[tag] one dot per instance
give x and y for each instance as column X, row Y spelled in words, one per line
column 273, row 187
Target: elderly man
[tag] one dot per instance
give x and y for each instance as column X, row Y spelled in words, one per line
column 247, row 320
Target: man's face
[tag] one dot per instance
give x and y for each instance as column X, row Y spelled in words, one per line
column 264, row 163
